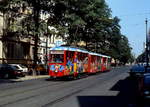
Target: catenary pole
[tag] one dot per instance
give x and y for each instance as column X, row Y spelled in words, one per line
column 146, row 46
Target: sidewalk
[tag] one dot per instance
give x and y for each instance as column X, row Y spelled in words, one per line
column 31, row 77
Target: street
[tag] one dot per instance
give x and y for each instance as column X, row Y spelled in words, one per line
column 107, row 89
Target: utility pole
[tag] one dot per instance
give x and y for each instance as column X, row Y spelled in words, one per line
column 147, row 44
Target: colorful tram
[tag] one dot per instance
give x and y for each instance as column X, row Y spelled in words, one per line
column 73, row 62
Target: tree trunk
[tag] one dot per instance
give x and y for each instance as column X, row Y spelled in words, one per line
column 36, row 20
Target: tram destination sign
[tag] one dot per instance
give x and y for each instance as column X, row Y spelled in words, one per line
column 56, row 52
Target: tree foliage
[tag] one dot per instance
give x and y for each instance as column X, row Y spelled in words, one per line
column 89, row 21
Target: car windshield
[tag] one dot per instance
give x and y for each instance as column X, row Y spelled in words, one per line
column 15, row 66
column 22, row 66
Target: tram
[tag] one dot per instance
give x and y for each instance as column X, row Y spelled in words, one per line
column 73, row 62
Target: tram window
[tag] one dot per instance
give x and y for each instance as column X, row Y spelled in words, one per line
column 93, row 59
column 80, row 57
column 84, row 58
column 56, row 58
column 99, row 59
column 70, row 55
column 104, row 60
column 109, row 60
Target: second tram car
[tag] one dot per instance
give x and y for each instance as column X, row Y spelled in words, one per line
column 73, row 62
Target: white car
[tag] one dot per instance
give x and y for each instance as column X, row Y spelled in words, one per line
column 23, row 68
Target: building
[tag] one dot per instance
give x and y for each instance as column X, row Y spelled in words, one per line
column 46, row 43
column 1, row 33
column 15, row 48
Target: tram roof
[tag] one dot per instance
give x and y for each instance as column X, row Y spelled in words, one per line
column 69, row 49
column 92, row 53
column 78, row 50
column 106, row 56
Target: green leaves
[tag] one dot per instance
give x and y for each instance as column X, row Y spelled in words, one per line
column 86, row 21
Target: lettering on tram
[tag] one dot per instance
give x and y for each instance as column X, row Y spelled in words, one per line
column 74, row 62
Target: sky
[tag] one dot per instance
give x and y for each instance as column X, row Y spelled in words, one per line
column 132, row 15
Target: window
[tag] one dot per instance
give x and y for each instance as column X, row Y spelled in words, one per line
column 44, row 51
column 70, row 55
column 56, row 58
column 10, row 50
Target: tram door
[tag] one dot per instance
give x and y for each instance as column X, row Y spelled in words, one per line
column 80, row 62
column 70, row 62
column 104, row 63
column 108, row 63
column 99, row 63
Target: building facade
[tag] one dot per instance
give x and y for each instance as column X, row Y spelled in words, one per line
column 1, row 33
column 18, row 49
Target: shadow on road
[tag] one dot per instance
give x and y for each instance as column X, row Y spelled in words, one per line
column 127, row 97
column 58, row 79
column 2, row 81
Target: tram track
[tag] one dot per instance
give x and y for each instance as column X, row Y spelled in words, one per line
column 71, row 94
column 62, row 98
column 35, row 88
column 17, row 101
column 39, row 88
column 60, row 85
column 27, row 91
column 29, row 97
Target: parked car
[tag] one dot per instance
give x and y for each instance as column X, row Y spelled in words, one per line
column 21, row 68
column 8, row 71
column 144, row 87
column 138, row 70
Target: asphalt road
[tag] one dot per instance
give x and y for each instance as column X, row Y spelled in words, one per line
column 109, row 89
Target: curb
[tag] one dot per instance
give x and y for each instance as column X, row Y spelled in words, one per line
column 31, row 77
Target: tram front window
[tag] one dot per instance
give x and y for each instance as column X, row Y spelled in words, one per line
column 56, row 58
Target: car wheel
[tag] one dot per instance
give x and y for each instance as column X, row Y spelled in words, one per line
column 23, row 75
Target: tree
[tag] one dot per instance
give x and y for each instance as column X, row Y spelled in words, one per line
column 83, row 19
column 10, row 10
column 114, row 36
column 27, row 24
column 124, row 50
column 75, row 20
column 141, row 57
column 36, row 25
